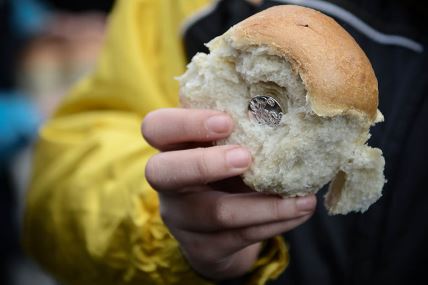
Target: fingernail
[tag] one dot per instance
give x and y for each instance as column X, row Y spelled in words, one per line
column 218, row 124
column 238, row 158
column 306, row 203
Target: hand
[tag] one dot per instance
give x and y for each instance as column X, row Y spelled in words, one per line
column 218, row 221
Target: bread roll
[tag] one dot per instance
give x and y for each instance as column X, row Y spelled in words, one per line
column 303, row 96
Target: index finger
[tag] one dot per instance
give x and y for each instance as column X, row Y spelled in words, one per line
column 176, row 170
column 166, row 128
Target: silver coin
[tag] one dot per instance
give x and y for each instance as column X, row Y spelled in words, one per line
column 265, row 110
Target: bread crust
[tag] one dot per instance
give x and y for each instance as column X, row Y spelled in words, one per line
column 337, row 74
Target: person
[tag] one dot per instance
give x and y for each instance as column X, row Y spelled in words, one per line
column 92, row 216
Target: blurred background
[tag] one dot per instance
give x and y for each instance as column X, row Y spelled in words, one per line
column 45, row 47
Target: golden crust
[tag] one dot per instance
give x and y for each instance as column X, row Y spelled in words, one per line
column 337, row 74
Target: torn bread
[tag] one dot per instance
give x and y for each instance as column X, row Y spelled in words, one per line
column 303, row 96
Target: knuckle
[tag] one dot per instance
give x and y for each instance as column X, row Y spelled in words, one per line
column 202, row 166
column 293, row 210
column 286, row 209
column 147, row 127
column 190, row 129
column 276, row 209
column 248, row 235
column 222, row 215
column 151, row 172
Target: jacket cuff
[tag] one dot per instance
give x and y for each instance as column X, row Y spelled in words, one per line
column 272, row 262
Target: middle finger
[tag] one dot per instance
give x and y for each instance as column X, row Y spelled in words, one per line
column 213, row 211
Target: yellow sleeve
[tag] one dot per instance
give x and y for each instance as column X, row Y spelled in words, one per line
column 91, row 217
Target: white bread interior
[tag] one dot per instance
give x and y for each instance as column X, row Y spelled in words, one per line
column 306, row 150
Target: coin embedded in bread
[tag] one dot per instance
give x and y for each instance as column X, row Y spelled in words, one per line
column 303, row 96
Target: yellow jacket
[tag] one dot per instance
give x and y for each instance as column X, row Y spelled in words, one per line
column 91, row 217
